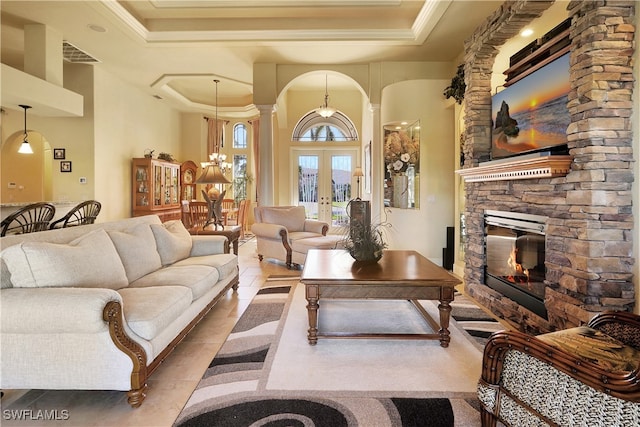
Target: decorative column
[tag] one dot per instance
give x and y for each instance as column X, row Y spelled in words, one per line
column 266, row 186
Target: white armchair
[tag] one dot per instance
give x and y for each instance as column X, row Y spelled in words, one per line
column 277, row 227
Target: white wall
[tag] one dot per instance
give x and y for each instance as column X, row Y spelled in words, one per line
column 424, row 229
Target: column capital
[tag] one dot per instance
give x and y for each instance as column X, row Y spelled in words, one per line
column 267, row 108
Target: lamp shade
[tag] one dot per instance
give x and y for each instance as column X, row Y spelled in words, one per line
column 212, row 175
column 358, row 171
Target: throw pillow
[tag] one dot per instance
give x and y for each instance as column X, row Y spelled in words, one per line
column 290, row 217
column 137, row 250
column 90, row 261
column 173, row 241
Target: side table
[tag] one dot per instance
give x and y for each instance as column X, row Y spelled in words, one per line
column 232, row 233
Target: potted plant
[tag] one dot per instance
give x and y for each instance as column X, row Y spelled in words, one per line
column 365, row 242
column 457, row 87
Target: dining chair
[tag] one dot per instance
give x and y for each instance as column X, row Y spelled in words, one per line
column 241, row 217
column 199, row 212
column 28, row 219
column 229, row 211
column 83, row 213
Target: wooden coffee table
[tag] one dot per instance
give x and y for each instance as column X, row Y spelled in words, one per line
column 399, row 275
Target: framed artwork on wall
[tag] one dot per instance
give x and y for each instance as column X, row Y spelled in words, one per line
column 59, row 153
column 65, row 166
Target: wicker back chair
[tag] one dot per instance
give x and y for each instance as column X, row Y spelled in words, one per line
column 29, row 219
column 583, row 376
column 83, row 213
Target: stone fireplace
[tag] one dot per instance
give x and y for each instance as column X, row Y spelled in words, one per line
column 589, row 244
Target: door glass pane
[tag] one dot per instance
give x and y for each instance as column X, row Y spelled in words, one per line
column 308, row 184
column 341, row 166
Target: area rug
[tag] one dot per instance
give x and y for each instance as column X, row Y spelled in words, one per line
column 473, row 319
column 267, row 374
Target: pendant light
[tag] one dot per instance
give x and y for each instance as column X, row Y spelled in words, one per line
column 324, row 110
column 25, row 147
column 213, row 171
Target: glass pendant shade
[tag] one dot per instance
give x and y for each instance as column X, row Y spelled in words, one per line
column 25, row 147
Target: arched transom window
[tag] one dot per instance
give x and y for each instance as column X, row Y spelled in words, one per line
column 315, row 128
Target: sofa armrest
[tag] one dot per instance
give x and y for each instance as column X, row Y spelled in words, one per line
column 269, row 231
column 315, row 226
column 55, row 310
column 208, row 245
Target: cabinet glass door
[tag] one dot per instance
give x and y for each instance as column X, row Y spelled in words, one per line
column 142, row 186
column 174, row 185
column 157, row 185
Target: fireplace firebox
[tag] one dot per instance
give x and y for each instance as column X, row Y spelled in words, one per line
column 515, row 255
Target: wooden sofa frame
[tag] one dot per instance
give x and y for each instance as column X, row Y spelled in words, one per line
column 113, row 315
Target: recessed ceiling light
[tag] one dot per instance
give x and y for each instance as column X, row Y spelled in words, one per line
column 526, row 32
column 97, row 28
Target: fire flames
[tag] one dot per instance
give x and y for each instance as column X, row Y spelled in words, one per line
column 521, row 274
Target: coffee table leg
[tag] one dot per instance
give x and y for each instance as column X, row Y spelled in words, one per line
column 445, row 313
column 312, row 310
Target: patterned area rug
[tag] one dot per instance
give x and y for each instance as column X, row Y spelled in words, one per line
column 473, row 319
column 263, row 376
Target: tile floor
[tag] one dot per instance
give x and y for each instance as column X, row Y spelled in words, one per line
column 169, row 387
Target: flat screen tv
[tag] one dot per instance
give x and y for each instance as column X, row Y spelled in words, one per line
column 532, row 115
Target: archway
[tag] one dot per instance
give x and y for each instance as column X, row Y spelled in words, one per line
column 26, row 177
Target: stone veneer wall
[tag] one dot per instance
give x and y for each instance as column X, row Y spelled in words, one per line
column 589, row 242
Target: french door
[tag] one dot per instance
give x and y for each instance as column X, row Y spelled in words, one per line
column 323, row 183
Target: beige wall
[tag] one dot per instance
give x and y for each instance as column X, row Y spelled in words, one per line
column 424, row 229
column 127, row 122
column 119, row 123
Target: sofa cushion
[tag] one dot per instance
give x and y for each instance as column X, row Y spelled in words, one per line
column 298, row 235
column 137, row 250
column 199, row 278
column 173, row 241
column 226, row 264
column 331, row 241
column 148, row 311
column 90, row 261
column 291, row 217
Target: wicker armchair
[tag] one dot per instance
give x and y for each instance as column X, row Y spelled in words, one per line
column 585, row 376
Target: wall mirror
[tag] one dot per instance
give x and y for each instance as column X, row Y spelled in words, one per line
column 402, row 164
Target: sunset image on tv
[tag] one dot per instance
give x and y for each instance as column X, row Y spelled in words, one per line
column 532, row 113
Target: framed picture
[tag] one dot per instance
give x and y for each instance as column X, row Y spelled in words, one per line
column 65, row 166
column 59, row 153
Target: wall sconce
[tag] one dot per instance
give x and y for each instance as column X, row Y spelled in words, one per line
column 25, row 147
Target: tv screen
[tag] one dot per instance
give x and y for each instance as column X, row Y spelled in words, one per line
column 532, row 114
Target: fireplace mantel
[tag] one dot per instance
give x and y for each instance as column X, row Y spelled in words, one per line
column 522, row 168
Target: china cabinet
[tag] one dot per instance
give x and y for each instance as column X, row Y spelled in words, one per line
column 156, row 188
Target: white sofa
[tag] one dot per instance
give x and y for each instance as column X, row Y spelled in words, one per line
column 277, row 227
column 99, row 307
